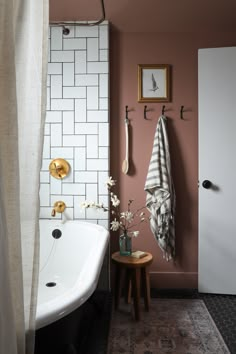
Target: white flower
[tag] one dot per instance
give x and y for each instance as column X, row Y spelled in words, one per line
column 115, row 225
column 135, row 233
column 92, row 204
column 114, row 200
column 127, row 215
column 85, row 204
column 125, row 220
column 110, row 182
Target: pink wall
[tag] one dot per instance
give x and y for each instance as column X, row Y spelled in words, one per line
column 181, row 52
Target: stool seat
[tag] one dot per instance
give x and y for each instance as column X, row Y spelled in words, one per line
column 136, row 275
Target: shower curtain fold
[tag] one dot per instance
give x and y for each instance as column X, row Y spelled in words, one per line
column 23, row 68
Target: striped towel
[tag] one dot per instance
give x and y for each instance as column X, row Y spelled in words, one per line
column 160, row 200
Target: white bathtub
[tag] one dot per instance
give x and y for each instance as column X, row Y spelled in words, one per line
column 73, row 262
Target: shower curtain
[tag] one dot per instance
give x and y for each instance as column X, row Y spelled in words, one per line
column 23, row 68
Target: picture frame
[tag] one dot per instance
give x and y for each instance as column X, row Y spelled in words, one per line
column 153, row 82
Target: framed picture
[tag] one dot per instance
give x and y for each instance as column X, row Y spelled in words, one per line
column 153, row 83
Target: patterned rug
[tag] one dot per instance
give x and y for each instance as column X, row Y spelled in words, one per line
column 180, row 326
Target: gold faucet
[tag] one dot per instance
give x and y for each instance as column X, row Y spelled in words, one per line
column 59, row 207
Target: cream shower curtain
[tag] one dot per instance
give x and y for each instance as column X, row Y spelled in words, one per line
column 23, row 68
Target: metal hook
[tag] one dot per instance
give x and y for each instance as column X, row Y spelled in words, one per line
column 181, row 112
column 163, row 110
column 145, row 112
column 126, row 113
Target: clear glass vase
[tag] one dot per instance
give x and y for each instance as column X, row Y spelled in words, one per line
column 125, row 243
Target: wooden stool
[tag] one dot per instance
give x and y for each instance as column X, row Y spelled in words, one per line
column 136, row 271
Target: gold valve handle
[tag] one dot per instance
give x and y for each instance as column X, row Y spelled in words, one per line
column 59, row 168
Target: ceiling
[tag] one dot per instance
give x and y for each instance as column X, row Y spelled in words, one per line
column 152, row 15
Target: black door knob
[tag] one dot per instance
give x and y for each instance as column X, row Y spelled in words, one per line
column 206, row 184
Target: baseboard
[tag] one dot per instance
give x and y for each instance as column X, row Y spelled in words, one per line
column 174, row 280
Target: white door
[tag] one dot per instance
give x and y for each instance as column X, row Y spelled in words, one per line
column 217, row 170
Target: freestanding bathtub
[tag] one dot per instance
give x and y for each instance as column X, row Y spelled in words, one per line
column 71, row 257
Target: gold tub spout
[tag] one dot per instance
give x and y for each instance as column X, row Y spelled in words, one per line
column 59, row 207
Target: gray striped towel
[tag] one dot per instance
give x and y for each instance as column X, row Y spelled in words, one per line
column 160, row 199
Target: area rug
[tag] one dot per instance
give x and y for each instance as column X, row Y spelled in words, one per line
column 180, row 326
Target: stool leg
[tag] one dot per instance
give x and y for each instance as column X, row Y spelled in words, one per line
column 146, row 287
column 128, row 287
column 136, row 292
column 118, row 275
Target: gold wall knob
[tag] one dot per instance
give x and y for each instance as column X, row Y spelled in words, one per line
column 59, row 168
column 59, row 206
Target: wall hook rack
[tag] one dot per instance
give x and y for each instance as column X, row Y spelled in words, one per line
column 181, row 112
column 145, row 112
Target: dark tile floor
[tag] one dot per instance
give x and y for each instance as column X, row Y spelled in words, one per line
column 223, row 311
column 221, row 307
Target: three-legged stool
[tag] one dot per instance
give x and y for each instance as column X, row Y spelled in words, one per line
column 136, row 274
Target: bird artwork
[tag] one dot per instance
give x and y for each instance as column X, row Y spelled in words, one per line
column 154, row 84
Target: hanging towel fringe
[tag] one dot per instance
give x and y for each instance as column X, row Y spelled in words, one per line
column 160, row 199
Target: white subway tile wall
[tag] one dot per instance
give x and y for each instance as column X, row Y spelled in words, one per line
column 77, row 121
